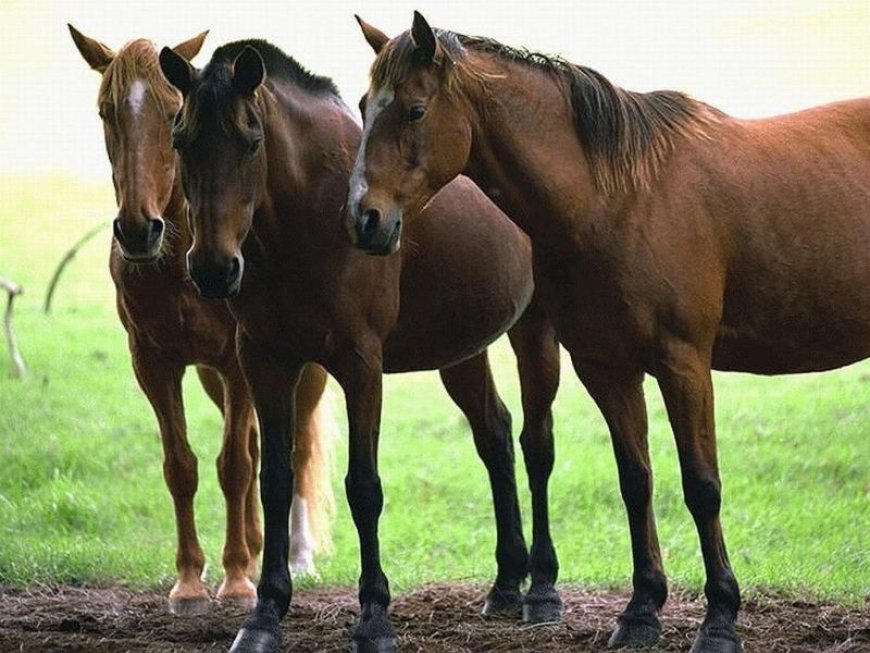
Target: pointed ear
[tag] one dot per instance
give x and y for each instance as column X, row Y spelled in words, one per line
column 374, row 37
column 191, row 47
column 249, row 71
column 177, row 70
column 424, row 39
column 95, row 53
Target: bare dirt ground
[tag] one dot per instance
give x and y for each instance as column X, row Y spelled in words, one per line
column 441, row 618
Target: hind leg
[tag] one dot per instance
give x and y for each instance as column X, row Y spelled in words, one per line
column 235, row 472
column 534, row 342
column 160, row 378
column 214, row 387
column 471, row 387
column 313, row 502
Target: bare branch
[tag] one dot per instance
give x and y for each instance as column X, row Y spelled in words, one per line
column 19, row 369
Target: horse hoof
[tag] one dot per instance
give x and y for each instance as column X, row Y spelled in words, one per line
column 255, row 641
column 717, row 638
column 189, row 607
column 542, row 605
column 636, row 631
column 239, row 604
column 379, row 645
column 503, row 603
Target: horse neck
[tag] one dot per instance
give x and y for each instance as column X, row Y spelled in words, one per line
column 538, row 176
column 310, row 145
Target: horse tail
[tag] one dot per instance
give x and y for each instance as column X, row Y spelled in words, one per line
column 316, row 437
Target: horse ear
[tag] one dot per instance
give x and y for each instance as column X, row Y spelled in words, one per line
column 191, row 47
column 177, row 70
column 97, row 55
column 249, row 71
column 424, row 39
column 374, row 37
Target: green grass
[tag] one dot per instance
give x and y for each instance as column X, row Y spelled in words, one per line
column 82, row 498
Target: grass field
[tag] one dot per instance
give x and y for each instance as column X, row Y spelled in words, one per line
column 82, row 498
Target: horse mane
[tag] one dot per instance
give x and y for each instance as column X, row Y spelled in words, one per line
column 626, row 135
column 278, row 64
column 137, row 60
column 212, row 95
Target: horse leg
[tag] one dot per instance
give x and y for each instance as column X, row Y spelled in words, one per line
column 471, row 387
column 619, row 396
column 687, row 388
column 359, row 373
column 235, row 587
column 313, row 502
column 235, row 471
column 534, row 341
column 160, row 379
column 273, row 387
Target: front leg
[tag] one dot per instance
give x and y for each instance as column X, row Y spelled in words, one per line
column 273, row 383
column 359, row 373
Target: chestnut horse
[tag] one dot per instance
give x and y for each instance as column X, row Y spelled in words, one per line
column 170, row 327
column 265, row 164
column 668, row 239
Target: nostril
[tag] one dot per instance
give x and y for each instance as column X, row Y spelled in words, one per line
column 371, row 218
column 155, row 230
column 234, row 270
column 117, row 231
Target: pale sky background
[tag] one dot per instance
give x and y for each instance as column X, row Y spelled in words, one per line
column 748, row 57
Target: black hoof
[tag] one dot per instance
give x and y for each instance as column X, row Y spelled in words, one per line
column 542, row 605
column 379, row 645
column 636, row 630
column 503, row 603
column 256, row 641
column 717, row 638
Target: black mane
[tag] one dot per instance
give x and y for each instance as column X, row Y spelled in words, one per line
column 278, row 64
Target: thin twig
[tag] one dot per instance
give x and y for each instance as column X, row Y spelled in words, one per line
column 19, row 369
column 69, row 256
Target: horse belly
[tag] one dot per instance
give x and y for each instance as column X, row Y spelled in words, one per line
column 466, row 279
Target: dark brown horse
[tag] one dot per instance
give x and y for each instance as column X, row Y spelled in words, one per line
column 170, row 327
column 668, row 239
column 265, row 164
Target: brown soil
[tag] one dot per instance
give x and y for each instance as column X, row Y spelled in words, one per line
column 436, row 619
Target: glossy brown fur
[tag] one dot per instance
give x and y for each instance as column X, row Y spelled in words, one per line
column 266, row 167
column 169, row 327
column 669, row 239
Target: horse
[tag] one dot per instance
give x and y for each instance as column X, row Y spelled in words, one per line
column 668, row 239
column 266, row 149
column 169, row 327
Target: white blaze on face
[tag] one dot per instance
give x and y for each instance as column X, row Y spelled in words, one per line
column 136, row 96
column 378, row 101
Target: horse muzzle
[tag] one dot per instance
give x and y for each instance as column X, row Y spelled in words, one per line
column 377, row 232
column 216, row 278
column 140, row 240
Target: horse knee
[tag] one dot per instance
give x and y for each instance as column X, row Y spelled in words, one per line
column 703, row 495
column 636, row 486
column 492, row 438
column 365, row 496
column 235, row 471
column 181, row 475
column 537, row 446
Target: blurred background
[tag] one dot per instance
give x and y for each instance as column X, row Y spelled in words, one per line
column 747, row 57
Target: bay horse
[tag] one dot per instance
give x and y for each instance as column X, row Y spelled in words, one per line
column 668, row 239
column 266, row 150
column 169, row 327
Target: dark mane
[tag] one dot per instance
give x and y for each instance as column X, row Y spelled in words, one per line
column 212, row 95
column 278, row 64
column 626, row 135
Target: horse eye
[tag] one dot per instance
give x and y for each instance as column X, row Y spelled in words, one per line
column 254, row 146
column 416, row 113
